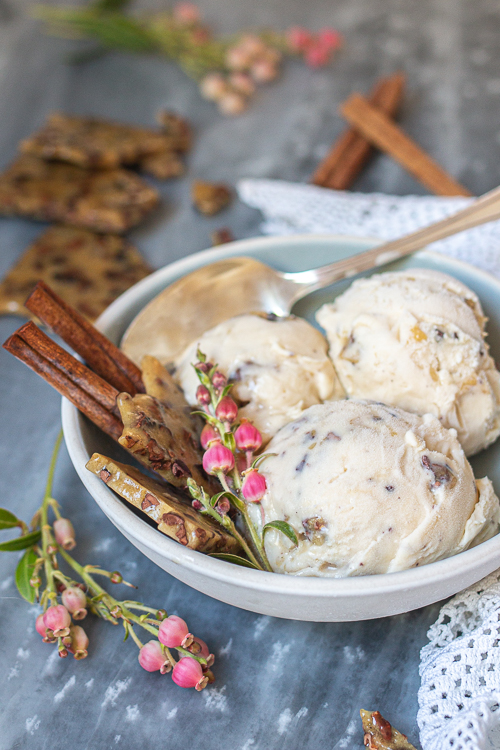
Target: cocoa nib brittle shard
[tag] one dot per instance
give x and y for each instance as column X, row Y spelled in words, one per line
column 158, row 437
column 380, row 735
column 94, row 143
column 160, row 384
column 174, row 517
column 86, row 269
column 112, row 200
column 210, row 198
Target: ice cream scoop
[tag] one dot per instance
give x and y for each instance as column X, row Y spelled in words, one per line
column 278, row 367
column 416, row 339
column 371, row 489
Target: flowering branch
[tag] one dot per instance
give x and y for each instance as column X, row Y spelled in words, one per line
column 228, row 69
column 229, row 448
column 65, row 600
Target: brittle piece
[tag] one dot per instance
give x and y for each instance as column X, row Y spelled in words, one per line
column 86, row 269
column 210, row 198
column 163, row 165
column 90, row 142
column 176, row 129
column 157, row 436
column 160, row 384
column 380, row 735
column 111, row 200
column 175, row 518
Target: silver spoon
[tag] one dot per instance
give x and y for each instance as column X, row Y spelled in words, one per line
column 190, row 306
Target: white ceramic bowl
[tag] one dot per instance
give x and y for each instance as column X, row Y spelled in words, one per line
column 316, row 599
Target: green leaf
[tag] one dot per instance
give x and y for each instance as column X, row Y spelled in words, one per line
column 235, row 559
column 24, row 571
column 201, row 357
column 285, row 529
column 21, row 542
column 8, row 520
column 260, row 459
column 227, row 389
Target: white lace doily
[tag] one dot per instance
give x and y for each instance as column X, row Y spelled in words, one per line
column 459, row 697
column 291, row 208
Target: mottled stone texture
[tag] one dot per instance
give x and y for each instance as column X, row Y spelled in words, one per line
column 279, row 684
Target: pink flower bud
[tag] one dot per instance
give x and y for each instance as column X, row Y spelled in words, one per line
column 151, row 656
column 329, row 39
column 254, row 486
column 188, row 673
column 203, row 395
column 219, row 380
column 64, row 533
column 247, row 437
column 237, row 58
column 186, row 13
column 252, row 44
column 79, row 642
column 218, row 458
column 226, row 410
column 213, row 86
column 205, row 652
column 57, row 619
column 223, row 506
column 173, row 632
column 75, row 601
column 263, row 71
column 243, row 84
column 203, row 366
column 317, row 56
column 232, row 104
column 209, row 435
column 299, row 38
column 197, row 505
column 40, row 626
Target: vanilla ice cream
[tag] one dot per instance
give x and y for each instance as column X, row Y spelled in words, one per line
column 415, row 339
column 371, row 489
column 279, row 367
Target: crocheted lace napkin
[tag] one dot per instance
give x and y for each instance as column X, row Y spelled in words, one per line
column 459, row 697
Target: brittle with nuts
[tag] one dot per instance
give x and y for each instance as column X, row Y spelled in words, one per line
column 380, row 735
column 210, row 198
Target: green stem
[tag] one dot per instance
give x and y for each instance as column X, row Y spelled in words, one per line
column 44, row 522
column 258, row 542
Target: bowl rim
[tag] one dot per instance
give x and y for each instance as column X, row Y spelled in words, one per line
column 256, row 580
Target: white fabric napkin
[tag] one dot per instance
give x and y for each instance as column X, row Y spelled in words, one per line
column 459, row 697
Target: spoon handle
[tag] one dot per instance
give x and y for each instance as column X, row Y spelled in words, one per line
column 484, row 209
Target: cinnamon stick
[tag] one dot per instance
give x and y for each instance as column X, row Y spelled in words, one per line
column 52, row 369
column 100, row 354
column 383, row 133
column 350, row 152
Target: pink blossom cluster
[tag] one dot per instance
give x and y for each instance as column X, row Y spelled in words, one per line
column 249, row 62
column 55, row 625
column 316, row 49
column 188, row 672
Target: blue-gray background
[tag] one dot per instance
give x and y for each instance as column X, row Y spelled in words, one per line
column 279, row 684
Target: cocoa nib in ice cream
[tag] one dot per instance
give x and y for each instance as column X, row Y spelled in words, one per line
column 416, row 339
column 371, row 489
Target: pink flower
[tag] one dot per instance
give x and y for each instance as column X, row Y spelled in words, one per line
column 226, row 410
column 263, row 71
column 232, row 104
column 213, row 86
column 237, row 58
column 242, row 83
column 75, row 602
column 299, row 38
column 247, row 437
column 329, row 39
column 57, row 619
column 152, row 658
column 64, row 533
column 254, row 486
column 203, row 395
column 40, row 626
column 219, row 380
column 205, row 652
column 173, row 632
column 217, row 459
column 79, row 642
column 317, row 56
column 186, row 13
column 252, row 44
column 188, row 673
column 208, row 436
